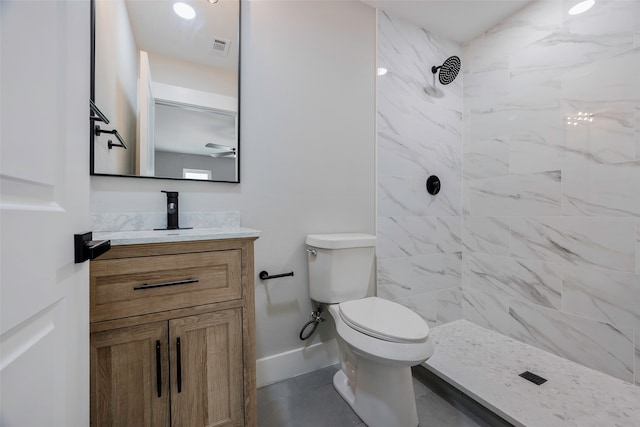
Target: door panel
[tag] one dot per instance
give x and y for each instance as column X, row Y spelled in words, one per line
column 44, row 200
column 22, row 351
column 211, row 370
column 124, row 376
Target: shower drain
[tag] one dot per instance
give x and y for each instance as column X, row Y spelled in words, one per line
column 530, row 376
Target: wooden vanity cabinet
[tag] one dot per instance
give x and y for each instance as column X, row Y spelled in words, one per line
column 172, row 335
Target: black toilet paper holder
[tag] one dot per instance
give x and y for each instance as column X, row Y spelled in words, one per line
column 263, row 275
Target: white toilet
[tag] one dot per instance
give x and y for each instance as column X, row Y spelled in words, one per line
column 379, row 340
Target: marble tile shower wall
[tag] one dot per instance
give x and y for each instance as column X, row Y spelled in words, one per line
column 551, row 229
column 419, row 129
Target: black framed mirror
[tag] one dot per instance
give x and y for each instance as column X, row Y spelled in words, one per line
column 165, row 89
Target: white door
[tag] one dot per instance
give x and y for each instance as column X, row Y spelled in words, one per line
column 44, row 200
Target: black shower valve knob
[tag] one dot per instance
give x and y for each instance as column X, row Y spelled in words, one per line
column 433, row 185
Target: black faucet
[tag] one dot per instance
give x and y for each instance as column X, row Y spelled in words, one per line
column 172, row 210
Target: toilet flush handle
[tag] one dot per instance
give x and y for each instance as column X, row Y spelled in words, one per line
column 312, row 251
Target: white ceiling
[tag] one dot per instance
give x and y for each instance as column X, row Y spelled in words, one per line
column 158, row 29
column 457, row 20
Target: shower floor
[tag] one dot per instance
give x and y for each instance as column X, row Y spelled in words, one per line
column 485, row 366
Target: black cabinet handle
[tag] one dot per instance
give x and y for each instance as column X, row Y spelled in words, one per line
column 179, row 365
column 160, row 285
column 158, row 369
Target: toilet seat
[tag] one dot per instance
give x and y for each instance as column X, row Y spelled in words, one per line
column 384, row 320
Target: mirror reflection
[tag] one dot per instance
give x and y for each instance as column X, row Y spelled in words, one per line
column 165, row 75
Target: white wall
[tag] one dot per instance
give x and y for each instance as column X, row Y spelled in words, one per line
column 307, row 150
column 172, row 71
column 116, row 74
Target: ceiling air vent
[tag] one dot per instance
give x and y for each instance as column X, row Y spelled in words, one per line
column 219, row 46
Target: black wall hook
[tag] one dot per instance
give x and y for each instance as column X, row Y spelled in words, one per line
column 112, row 144
column 114, row 132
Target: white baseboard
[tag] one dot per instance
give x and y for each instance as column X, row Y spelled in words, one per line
column 301, row 360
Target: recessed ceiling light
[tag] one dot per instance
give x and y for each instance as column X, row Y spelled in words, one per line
column 382, row 71
column 582, row 7
column 213, row 1
column 183, row 10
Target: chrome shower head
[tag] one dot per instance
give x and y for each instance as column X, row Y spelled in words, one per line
column 448, row 70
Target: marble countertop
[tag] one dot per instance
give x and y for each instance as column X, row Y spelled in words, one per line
column 181, row 235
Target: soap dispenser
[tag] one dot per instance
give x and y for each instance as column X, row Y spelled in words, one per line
column 172, row 210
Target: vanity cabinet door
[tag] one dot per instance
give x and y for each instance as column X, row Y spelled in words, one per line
column 130, row 376
column 207, row 370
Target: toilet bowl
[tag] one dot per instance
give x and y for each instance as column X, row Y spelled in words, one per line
column 375, row 375
column 389, row 332
column 379, row 340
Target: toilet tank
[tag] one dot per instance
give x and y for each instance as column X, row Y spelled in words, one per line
column 340, row 266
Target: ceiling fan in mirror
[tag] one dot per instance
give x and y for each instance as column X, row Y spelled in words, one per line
column 222, row 150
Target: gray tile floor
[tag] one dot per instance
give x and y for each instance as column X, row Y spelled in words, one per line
column 310, row 400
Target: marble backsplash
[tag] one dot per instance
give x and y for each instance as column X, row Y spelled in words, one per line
column 133, row 221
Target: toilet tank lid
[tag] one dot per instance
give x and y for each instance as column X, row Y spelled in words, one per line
column 341, row 240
